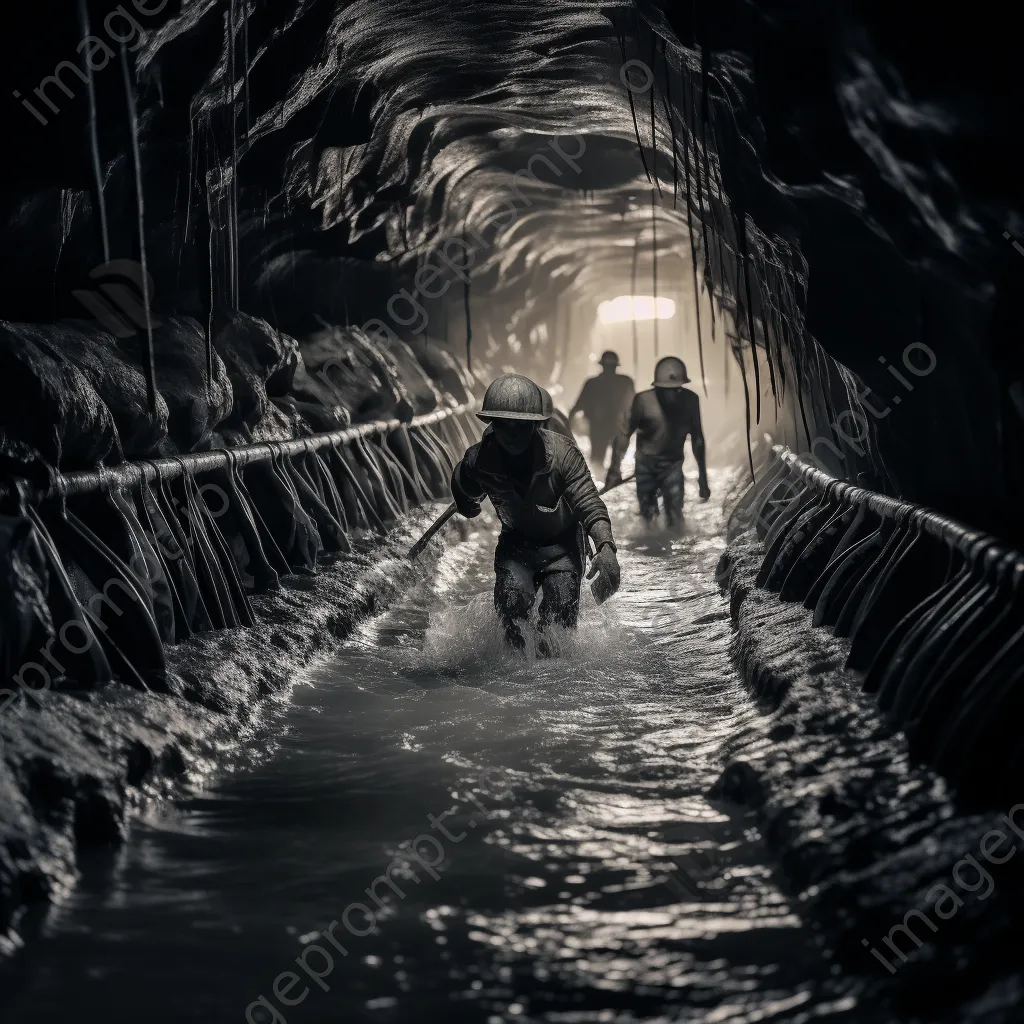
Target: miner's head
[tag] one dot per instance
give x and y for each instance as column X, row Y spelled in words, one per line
column 514, row 407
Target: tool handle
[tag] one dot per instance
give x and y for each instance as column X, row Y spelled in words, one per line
column 606, row 488
column 417, row 549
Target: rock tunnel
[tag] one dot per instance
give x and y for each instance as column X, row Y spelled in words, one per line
column 261, row 262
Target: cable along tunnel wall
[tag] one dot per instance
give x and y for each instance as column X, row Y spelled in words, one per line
column 108, row 566
column 933, row 611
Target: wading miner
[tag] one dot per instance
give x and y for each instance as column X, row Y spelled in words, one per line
column 662, row 419
column 604, row 401
column 544, row 495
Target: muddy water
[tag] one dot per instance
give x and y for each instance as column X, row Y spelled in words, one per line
column 572, row 866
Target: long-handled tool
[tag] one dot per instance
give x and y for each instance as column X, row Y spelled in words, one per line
column 606, row 488
column 417, row 549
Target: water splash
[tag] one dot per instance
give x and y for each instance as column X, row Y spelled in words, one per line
column 465, row 643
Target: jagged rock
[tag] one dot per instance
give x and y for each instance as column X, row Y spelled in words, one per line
column 25, row 620
column 344, row 368
column 49, row 411
column 198, row 405
column 452, row 379
column 120, row 383
column 253, row 353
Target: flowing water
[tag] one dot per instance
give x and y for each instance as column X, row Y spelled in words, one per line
column 554, row 851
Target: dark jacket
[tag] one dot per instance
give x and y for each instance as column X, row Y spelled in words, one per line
column 604, row 400
column 659, row 432
column 559, row 495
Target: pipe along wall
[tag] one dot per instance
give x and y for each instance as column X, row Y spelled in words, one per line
column 113, row 564
column 933, row 610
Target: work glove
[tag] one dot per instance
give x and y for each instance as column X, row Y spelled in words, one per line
column 605, row 566
column 703, row 489
column 467, row 507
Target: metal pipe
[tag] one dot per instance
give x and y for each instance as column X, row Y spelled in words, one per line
column 946, row 529
column 130, row 475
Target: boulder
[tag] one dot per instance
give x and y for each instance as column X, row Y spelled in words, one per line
column 253, row 353
column 197, row 406
column 120, row 383
column 50, row 413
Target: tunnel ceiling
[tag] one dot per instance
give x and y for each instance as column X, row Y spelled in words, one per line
column 846, row 169
column 373, row 130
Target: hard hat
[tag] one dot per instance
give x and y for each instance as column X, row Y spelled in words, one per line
column 548, row 402
column 512, row 397
column 609, row 357
column 670, row 373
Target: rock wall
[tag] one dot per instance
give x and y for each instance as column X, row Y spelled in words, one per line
column 871, row 844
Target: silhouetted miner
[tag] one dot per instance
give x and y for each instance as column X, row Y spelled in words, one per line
column 662, row 419
column 604, row 400
column 546, row 500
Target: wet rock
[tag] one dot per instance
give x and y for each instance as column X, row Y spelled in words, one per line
column 99, row 815
column 172, row 761
column 72, row 765
column 26, row 623
column 48, row 784
column 120, row 383
column 253, row 353
column 49, row 411
column 140, row 761
column 346, row 369
column 451, row 378
column 423, row 392
column 314, row 402
column 197, row 404
column 862, row 835
column 723, row 570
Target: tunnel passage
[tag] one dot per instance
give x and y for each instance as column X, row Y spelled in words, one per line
column 812, row 171
column 231, row 231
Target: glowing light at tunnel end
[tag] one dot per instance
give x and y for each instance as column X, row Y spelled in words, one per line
column 635, row 307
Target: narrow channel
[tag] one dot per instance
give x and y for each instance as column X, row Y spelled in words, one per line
column 586, row 873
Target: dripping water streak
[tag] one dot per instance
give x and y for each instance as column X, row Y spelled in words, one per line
column 632, row 319
column 741, row 237
column 465, row 306
column 667, row 102
column 632, row 110
column 94, row 141
column 654, row 268
column 232, row 190
column 654, row 131
column 699, row 188
column 133, row 127
column 693, row 246
column 245, row 58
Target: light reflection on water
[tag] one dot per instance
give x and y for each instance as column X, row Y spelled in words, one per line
column 598, row 882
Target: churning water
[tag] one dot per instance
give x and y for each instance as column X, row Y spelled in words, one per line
column 564, row 861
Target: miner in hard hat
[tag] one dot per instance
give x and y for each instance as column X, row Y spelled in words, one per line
column 546, row 500
column 555, row 421
column 662, row 419
column 604, row 400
